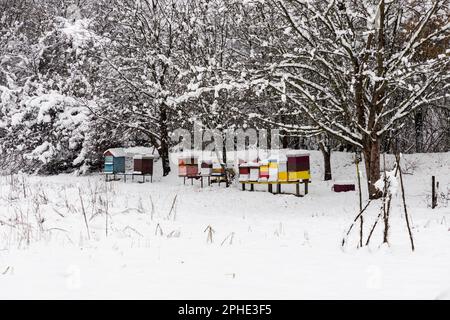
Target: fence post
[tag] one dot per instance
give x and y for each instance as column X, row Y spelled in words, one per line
column 433, row 192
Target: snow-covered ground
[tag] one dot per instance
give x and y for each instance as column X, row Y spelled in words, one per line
column 263, row 246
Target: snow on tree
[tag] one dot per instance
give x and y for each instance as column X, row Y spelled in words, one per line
column 369, row 74
column 346, row 63
column 364, row 54
column 43, row 126
column 141, row 68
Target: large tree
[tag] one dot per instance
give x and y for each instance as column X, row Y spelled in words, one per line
column 141, row 67
column 345, row 64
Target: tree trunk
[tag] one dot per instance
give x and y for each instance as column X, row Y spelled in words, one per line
column 418, row 128
column 224, row 159
column 284, row 139
column 164, row 145
column 164, row 154
column 371, row 152
column 326, row 152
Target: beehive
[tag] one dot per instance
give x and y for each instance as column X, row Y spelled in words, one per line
column 143, row 164
column 188, row 166
column 109, row 164
column 253, row 171
column 244, row 172
column 114, row 161
column 206, row 168
column 343, row 186
column 264, row 170
column 273, row 169
column 298, row 166
column 282, row 170
column 218, row 169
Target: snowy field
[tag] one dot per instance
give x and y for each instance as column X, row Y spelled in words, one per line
column 262, row 246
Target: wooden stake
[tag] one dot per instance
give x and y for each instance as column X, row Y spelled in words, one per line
column 84, row 214
column 361, row 226
column 210, row 231
column 397, row 158
column 433, row 193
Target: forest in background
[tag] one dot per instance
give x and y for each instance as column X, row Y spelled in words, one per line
column 80, row 76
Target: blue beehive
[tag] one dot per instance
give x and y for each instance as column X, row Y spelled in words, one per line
column 114, row 161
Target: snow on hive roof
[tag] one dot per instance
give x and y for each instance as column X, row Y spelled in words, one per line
column 297, row 153
column 122, row 152
column 139, row 150
column 144, row 156
column 184, row 157
column 253, row 164
column 339, row 182
column 277, row 158
column 116, row 152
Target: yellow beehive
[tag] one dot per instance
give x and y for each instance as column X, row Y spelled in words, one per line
column 282, row 171
column 299, row 175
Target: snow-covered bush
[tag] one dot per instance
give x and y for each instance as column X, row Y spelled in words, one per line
column 45, row 134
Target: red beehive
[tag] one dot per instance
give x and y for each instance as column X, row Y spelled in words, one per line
column 188, row 166
column 244, row 172
column 143, row 164
column 244, row 169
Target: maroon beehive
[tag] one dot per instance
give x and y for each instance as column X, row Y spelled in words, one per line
column 244, row 169
column 143, row 164
column 298, row 165
column 343, row 187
